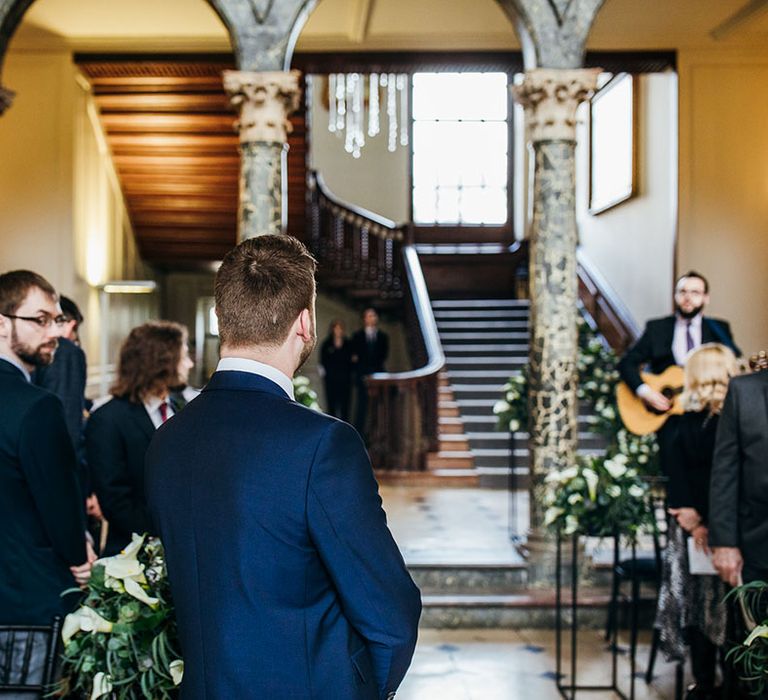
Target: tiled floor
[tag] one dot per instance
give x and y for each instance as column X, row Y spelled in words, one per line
column 516, row 665
column 471, row 526
column 451, row 525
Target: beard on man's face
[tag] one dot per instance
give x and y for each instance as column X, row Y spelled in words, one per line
column 309, row 346
column 687, row 315
column 41, row 356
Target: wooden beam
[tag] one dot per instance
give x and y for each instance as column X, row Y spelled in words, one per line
column 116, row 123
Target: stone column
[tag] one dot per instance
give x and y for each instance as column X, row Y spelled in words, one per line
column 550, row 98
column 264, row 101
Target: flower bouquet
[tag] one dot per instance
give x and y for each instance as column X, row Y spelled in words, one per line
column 512, row 410
column 122, row 641
column 598, row 497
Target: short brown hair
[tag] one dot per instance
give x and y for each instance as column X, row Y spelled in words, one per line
column 149, row 360
column 262, row 286
column 15, row 285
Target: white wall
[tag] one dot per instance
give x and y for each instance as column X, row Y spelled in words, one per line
column 632, row 244
column 724, row 184
column 377, row 181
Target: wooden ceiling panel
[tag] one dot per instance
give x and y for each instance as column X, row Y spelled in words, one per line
column 174, row 145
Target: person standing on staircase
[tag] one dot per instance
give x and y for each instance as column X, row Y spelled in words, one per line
column 370, row 349
column 667, row 341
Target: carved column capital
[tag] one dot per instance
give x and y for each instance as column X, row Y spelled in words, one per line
column 6, row 98
column 550, row 98
column 264, row 100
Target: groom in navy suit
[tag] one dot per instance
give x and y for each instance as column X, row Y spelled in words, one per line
column 286, row 580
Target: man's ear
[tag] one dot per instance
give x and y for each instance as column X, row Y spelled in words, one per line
column 304, row 328
column 5, row 327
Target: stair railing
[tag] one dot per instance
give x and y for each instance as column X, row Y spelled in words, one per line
column 365, row 257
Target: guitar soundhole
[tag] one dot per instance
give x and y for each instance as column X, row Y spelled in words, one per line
column 669, row 392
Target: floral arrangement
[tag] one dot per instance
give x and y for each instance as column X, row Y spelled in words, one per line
column 598, row 497
column 304, row 394
column 597, row 388
column 122, row 641
column 751, row 656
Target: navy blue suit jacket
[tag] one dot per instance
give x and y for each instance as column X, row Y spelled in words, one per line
column 286, row 580
column 42, row 519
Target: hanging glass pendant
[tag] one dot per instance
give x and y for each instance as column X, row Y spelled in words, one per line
column 392, row 112
column 402, row 88
column 341, row 96
column 332, row 103
column 373, row 105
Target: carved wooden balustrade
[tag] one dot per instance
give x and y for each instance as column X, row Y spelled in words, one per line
column 365, row 257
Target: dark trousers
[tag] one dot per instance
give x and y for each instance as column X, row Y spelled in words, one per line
column 665, row 438
column 361, row 406
column 337, row 396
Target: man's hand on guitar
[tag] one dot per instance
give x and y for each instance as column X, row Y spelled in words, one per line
column 653, row 398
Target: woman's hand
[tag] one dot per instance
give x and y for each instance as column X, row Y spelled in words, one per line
column 700, row 536
column 687, row 518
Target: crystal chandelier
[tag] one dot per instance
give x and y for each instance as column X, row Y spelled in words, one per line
column 346, row 114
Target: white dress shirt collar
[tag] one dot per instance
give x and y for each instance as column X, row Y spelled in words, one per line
column 18, row 365
column 152, row 406
column 241, row 364
column 679, row 341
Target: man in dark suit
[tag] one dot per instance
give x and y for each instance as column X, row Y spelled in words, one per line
column 738, row 506
column 666, row 342
column 286, row 580
column 66, row 377
column 370, row 349
column 42, row 519
column 153, row 358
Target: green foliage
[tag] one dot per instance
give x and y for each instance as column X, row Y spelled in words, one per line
column 750, row 657
column 598, row 497
column 598, row 378
column 304, row 393
column 129, row 649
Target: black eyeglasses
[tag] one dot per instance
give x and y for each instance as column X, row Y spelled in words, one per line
column 41, row 321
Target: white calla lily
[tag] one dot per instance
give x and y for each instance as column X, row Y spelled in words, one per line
column 591, row 477
column 636, row 491
column 134, row 589
column 102, row 685
column 552, row 514
column 176, row 669
column 615, row 468
column 84, row 619
column 759, row 631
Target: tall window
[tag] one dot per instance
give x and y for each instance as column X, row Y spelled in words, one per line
column 460, row 146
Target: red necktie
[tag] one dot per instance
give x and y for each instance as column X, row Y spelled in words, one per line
column 164, row 411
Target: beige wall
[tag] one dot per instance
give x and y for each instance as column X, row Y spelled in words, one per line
column 632, row 244
column 63, row 213
column 724, row 184
column 377, row 181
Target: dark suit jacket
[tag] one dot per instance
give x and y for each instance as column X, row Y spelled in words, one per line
column 690, row 462
column 739, row 485
column 286, row 580
column 371, row 357
column 116, row 437
column 66, row 377
column 42, row 521
column 654, row 347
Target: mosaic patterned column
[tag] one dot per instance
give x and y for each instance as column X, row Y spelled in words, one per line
column 264, row 101
column 550, row 98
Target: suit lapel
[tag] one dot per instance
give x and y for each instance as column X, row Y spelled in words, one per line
column 668, row 334
column 142, row 420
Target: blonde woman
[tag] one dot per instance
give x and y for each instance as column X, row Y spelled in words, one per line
column 690, row 609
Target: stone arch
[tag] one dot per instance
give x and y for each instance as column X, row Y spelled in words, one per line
column 262, row 32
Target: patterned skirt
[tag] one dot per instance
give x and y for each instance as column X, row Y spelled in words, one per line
column 686, row 600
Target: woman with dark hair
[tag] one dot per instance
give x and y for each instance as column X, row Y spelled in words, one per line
column 690, row 607
column 154, row 359
column 336, row 361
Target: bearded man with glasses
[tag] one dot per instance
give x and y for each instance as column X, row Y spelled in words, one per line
column 43, row 548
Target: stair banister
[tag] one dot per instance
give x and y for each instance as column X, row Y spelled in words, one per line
column 364, row 256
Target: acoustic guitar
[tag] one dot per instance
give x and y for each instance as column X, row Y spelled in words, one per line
column 640, row 418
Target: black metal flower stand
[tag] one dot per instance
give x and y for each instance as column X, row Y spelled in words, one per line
column 569, row 686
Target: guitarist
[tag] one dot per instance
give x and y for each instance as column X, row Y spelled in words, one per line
column 667, row 341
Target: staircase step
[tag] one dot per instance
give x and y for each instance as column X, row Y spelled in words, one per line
column 449, row 425
column 479, row 376
column 483, row 338
column 480, row 304
column 462, row 362
column 477, row 391
column 468, row 579
column 458, row 478
column 457, row 441
column 495, row 349
column 482, row 326
column 479, row 314
column 450, row 459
